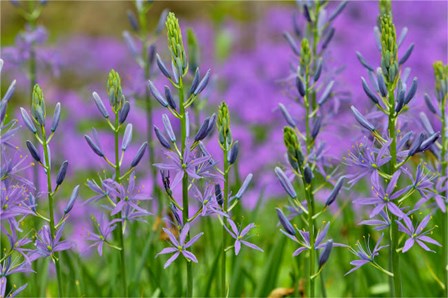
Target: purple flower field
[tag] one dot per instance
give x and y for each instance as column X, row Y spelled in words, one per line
column 224, row 149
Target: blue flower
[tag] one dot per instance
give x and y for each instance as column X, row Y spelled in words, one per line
column 179, row 246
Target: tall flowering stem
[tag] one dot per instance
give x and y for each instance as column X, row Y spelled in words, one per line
column 192, row 164
column 43, row 137
column 309, row 83
column 389, row 67
column 392, row 97
column 225, row 142
column 123, row 204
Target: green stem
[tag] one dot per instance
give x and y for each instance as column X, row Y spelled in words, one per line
column 183, row 127
column 51, row 208
column 311, row 226
column 394, row 260
column 224, row 232
column 309, row 193
column 120, row 223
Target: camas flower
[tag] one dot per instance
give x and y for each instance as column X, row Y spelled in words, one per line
column 46, row 245
column 366, row 255
column 188, row 164
column 366, row 160
column 124, row 197
column 14, row 203
column 379, row 224
column 207, row 199
column 305, row 241
column 179, row 247
column 12, row 167
column 105, row 229
column 239, row 235
column 384, row 197
column 416, row 234
column 13, row 293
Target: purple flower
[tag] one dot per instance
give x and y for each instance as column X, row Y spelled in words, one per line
column 18, row 244
column 14, row 203
column 379, row 224
column 384, row 197
column 179, row 247
column 366, row 255
column 9, row 267
column 12, row 294
column 366, row 160
column 239, row 235
column 100, row 192
column 305, row 241
column 208, row 202
column 124, row 198
column 416, row 234
column 105, row 229
column 11, row 167
column 422, row 181
column 188, row 164
column 46, row 245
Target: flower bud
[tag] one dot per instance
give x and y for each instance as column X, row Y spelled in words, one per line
column 244, row 187
column 124, row 112
column 286, row 224
column 127, row 137
column 56, row 117
column 100, row 105
column 284, row 181
column 28, row 122
column 292, row 145
column 162, row 67
column 61, row 174
column 326, row 254
column 156, row 94
column 308, row 175
column 72, row 200
column 218, row 195
column 95, row 148
column 138, row 157
column 114, row 90
column 163, row 141
column 233, row 153
column 33, row 151
column 362, row 121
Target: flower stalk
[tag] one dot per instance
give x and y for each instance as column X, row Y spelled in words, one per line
column 119, row 216
column 51, row 207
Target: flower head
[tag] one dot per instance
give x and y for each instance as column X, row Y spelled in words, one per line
column 365, row 255
column 47, row 245
column 238, row 235
column 179, row 246
column 417, row 235
column 384, row 198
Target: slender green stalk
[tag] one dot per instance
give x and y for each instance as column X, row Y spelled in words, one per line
column 183, row 128
column 51, row 208
column 394, row 260
column 311, row 229
column 120, row 224
column 309, row 190
column 224, row 232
